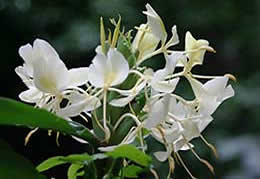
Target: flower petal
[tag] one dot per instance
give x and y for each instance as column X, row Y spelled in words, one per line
column 165, row 86
column 216, row 86
column 97, row 71
column 26, row 52
column 43, row 48
column 78, row 76
column 119, row 67
column 32, row 95
column 50, row 73
column 174, row 39
column 121, row 102
column 88, row 104
column 158, row 113
column 161, row 156
column 21, row 71
column 155, row 23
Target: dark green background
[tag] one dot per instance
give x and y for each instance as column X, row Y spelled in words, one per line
column 72, row 26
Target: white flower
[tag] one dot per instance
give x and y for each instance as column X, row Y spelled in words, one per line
column 107, row 71
column 211, row 94
column 46, row 75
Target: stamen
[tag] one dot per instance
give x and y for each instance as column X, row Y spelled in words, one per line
column 57, row 138
column 49, row 132
column 154, row 173
column 28, row 136
column 213, row 149
column 83, row 117
column 201, row 159
column 231, row 77
column 138, row 123
column 171, row 166
column 184, row 166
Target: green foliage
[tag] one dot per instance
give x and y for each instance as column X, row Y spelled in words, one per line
column 73, row 171
column 16, row 113
column 13, row 165
column 77, row 161
column 132, row 153
column 132, row 171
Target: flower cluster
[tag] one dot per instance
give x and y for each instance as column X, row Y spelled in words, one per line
column 117, row 87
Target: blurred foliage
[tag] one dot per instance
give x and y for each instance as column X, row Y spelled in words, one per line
column 72, row 27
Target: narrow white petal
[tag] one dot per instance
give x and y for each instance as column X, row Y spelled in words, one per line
column 108, row 148
column 121, row 102
column 174, row 39
column 85, row 105
column 78, row 76
column 155, row 23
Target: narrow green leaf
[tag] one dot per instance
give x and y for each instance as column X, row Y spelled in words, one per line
column 16, row 113
column 74, row 158
column 73, row 171
column 51, row 162
column 132, row 171
column 132, row 153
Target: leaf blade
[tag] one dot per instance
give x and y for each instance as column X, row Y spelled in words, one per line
column 16, row 113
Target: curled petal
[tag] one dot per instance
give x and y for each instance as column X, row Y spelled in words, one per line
column 26, row 52
column 32, row 95
column 155, row 23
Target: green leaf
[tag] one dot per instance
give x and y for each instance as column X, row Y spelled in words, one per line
column 49, row 163
column 91, row 171
column 74, row 158
column 13, row 165
column 124, row 46
column 59, row 160
column 132, row 153
column 132, row 171
column 16, row 113
column 73, row 171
